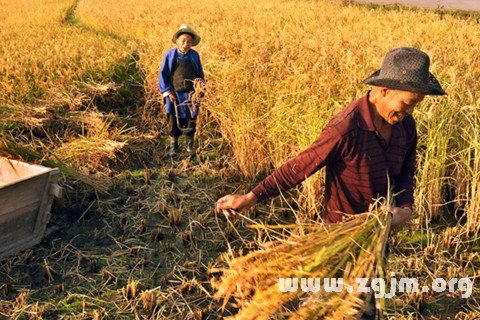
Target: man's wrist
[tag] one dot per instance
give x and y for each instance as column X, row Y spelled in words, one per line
column 251, row 199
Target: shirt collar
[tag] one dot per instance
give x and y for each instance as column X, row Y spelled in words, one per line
column 365, row 120
column 183, row 54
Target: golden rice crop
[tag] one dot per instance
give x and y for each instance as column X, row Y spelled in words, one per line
column 40, row 54
column 278, row 71
column 348, row 250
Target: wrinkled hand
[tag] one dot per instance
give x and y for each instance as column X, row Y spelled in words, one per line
column 400, row 216
column 172, row 97
column 232, row 203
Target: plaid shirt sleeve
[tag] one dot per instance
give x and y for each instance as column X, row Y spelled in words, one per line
column 324, row 150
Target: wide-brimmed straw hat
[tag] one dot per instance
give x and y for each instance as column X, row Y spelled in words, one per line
column 186, row 29
column 406, row 69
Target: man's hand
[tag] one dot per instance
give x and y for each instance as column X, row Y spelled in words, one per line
column 231, row 203
column 400, row 216
column 172, row 97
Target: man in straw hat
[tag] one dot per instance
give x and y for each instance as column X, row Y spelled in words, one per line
column 369, row 143
column 180, row 67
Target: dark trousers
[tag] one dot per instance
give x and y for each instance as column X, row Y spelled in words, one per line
column 173, row 129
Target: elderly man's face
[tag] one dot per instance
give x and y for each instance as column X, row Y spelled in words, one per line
column 398, row 104
column 184, row 42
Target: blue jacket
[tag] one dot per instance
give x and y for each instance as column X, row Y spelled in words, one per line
column 165, row 77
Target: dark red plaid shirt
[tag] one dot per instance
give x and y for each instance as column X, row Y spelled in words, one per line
column 357, row 161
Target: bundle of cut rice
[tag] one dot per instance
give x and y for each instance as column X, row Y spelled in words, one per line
column 12, row 148
column 349, row 250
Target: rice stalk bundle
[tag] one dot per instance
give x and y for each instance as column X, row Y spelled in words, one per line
column 12, row 149
column 90, row 152
column 349, row 250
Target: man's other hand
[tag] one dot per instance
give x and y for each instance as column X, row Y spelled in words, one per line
column 400, row 216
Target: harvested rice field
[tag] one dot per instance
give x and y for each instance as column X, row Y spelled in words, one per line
column 135, row 234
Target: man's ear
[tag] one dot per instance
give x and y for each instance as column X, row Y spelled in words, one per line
column 384, row 91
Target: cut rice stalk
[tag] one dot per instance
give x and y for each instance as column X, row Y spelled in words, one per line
column 348, row 250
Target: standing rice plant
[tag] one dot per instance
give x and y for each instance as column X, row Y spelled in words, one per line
column 468, row 162
column 435, row 139
column 268, row 65
column 40, row 54
column 350, row 250
column 244, row 131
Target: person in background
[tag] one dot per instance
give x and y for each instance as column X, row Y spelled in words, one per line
column 181, row 66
